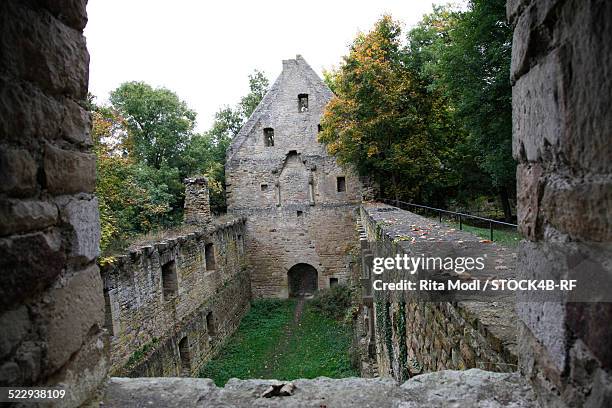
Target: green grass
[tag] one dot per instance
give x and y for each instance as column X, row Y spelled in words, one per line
column 269, row 345
column 507, row 237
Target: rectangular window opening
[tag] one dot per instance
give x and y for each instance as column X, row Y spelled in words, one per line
column 185, row 357
column 210, row 324
column 303, row 103
column 169, row 280
column 300, row 213
column 268, row 137
column 264, row 187
column 209, row 257
column 341, row 184
column 333, row 282
column 108, row 314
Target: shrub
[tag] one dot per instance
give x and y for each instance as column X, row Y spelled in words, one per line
column 333, row 302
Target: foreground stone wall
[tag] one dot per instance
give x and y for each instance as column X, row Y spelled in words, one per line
column 562, row 93
column 157, row 332
column 298, row 209
column 51, row 305
column 412, row 336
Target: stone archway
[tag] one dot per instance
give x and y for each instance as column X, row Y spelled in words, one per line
column 302, row 279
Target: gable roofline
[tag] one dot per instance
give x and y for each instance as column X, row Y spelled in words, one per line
column 268, row 98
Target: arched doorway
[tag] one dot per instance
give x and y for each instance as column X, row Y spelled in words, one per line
column 302, row 280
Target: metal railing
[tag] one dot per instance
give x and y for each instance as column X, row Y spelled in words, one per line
column 439, row 211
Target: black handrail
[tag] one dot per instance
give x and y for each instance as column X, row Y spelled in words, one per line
column 460, row 216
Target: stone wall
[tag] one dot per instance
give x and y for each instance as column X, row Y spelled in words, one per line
column 289, row 190
column 562, row 93
column 410, row 336
column 51, row 305
column 171, row 303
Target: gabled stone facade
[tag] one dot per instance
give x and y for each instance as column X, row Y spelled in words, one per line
column 298, row 201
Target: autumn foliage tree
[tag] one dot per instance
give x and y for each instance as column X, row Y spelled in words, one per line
column 379, row 119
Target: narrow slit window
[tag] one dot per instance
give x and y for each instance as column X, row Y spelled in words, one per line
column 108, row 313
column 341, row 184
column 268, row 137
column 169, row 280
column 319, row 128
column 210, row 323
column 303, row 103
column 209, row 257
column 185, row 356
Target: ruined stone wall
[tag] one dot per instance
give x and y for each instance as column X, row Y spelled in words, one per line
column 562, row 93
column 412, row 336
column 51, row 306
column 289, row 191
column 148, row 323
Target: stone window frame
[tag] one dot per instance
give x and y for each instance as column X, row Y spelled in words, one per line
column 341, row 184
column 268, row 138
column 210, row 323
column 169, row 280
column 184, row 355
column 210, row 260
column 303, row 108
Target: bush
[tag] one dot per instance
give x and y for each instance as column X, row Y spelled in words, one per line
column 333, row 302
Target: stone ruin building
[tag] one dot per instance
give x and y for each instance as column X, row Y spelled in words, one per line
column 299, row 202
column 63, row 322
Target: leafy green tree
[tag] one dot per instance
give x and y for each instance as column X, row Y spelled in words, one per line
column 160, row 125
column 471, row 65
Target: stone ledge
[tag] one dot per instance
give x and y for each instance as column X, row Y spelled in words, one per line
column 471, row 388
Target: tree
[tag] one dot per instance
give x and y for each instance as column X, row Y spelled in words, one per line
column 472, row 67
column 378, row 120
column 160, row 125
column 129, row 203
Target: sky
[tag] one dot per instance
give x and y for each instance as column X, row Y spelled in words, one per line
column 204, row 50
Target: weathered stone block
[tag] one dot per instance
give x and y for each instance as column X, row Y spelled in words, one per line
column 26, row 215
column 76, row 125
column 84, row 220
column 28, row 264
column 17, row 172
column 75, row 306
column 26, row 113
column 573, row 206
column 538, row 111
column 69, row 172
column 71, row 12
column 15, row 324
column 44, row 51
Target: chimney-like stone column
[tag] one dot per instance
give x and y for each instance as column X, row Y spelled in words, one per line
column 197, row 202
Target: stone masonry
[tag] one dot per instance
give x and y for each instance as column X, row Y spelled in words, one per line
column 299, row 202
column 411, row 336
column 300, row 211
column 51, row 302
column 170, row 304
column 562, row 93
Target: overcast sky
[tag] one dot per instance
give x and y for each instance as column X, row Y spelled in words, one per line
column 204, row 50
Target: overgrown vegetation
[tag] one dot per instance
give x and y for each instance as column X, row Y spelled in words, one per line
column 334, row 302
column 269, row 344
